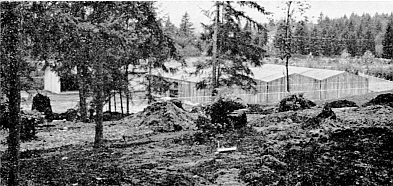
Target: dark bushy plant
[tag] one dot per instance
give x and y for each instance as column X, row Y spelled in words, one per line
column 341, row 104
column 221, row 108
column 41, row 103
column 220, row 118
column 29, row 121
column 381, row 72
column 295, row 102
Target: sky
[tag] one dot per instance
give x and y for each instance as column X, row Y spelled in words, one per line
column 333, row 9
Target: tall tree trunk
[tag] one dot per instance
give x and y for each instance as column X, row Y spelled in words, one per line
column 99, row 104
column 149, row 96
column 121, row 101
column 14, row 120
column 114, row 100
column 12, row 40
column 127, row 91
column 287, row 72
column 287, row 43
column 110, row 102
column 215, row 55
column 82, row 74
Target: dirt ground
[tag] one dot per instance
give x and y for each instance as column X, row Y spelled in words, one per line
column 275, row 149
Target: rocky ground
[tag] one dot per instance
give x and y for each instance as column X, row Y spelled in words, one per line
column 275, row 149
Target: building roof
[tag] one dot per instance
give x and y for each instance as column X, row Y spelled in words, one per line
column 270, row 72
column 266, row 73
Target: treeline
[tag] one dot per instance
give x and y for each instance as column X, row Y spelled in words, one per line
column 355, row 35
column 187, row 43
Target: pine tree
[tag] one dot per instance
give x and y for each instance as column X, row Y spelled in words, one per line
column 287, row 41
column 388, row 42
column 314, row 44
column 232, row 48
column 300, row 38
column 168, row 27
column 186, row 28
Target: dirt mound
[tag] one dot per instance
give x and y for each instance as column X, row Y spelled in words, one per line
column 342, row 103
column 286, row 117
column 326, row 113
column 382, row 99
column 295, row 102
column 261, row 109
column 163, row 117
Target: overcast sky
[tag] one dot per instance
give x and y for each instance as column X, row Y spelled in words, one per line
column 332, row 9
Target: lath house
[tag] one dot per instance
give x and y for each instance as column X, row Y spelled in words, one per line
column 315, row 84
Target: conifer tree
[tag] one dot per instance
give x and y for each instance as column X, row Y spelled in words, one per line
column 232, row 48
column 388, row 42
column 186, row 27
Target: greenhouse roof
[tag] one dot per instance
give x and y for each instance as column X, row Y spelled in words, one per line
column 266, row 73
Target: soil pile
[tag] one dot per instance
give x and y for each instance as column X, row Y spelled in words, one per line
column 163, row 117
column 342, row 103
column 284, row 117
column 261, row 109
column 326, row 113
column 382, row 99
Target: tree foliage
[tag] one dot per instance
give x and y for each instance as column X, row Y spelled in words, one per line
column 329, row 37
column 186, row 27
column 236, row 47
column 388, row 42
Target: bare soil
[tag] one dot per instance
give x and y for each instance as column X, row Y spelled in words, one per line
column 354, row 149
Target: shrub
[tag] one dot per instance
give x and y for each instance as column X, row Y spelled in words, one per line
column 341, row 104
column 295, row 102
column 41, row 103
column 220, row 118
column 28, row 123
column 112, row 116
column 381, row 72
column 221, row 109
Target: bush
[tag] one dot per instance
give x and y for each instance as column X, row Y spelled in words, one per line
column 28, row 123
column 69, row 115
column 341, row 104
column 112, row 116
column 220, row 112
column 220, row 118
column 381, row 72
column 295, row 102
column 41, row 103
